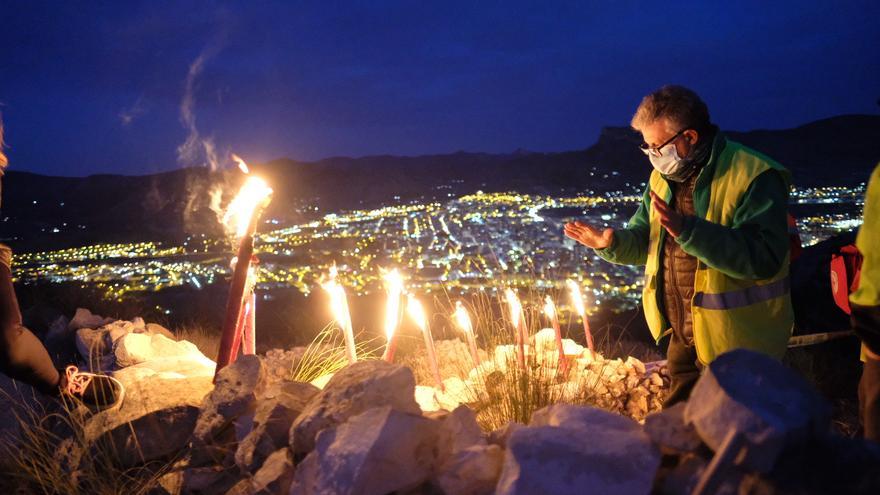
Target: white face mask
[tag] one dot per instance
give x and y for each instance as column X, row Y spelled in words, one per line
column 668, row 163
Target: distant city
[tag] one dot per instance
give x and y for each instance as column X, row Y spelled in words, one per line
column 477, row 242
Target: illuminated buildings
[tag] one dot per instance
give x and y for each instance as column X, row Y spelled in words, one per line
column 480, row 241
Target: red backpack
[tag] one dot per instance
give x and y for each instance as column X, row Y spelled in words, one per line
column 846, row 267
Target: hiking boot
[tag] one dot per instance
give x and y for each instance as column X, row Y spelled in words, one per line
column 95, row 391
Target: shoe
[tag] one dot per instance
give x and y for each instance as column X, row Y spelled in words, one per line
column 97, row 392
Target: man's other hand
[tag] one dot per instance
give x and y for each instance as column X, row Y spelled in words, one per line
column 670, row 219
column 589, row 236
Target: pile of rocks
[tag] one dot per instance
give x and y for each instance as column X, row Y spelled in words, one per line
column 626, row 386
column 364, row 433
column 752, row 426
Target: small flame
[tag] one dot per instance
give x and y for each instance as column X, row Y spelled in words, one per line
column 394, row 286
column 549, row 308
column 252, row 194
column 577, row 300
column 338, row 302
column 241, row 164
column 416, row 312
column 462, row 318
column 515, row 306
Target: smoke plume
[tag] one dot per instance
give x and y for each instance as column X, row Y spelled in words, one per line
column 197, row 149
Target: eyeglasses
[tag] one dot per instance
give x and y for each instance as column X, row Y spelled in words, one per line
column 655, row 150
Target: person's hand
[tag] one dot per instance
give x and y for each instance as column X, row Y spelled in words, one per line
column 589, row 236
column 670, row 219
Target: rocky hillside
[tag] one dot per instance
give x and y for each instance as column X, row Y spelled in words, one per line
column 751, row 426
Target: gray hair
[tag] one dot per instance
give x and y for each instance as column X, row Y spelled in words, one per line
column 679, row 105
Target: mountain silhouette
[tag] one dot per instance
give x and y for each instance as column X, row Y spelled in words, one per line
column 42, row 212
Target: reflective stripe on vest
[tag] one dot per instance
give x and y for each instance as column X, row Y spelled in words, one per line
column 743, row 297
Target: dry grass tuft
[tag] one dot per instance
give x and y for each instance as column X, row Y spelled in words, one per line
column 206, row 339
column 53, row 456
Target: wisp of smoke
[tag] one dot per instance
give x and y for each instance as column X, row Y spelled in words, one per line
column 196, row 147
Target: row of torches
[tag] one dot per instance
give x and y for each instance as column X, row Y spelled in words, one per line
column 242, row 216
column 395, row 289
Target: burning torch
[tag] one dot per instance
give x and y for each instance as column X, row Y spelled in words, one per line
column 243, row 212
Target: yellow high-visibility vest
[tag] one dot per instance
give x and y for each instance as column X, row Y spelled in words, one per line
column 728, row 313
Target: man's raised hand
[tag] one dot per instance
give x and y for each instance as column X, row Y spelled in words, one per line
column 589, row 236
column 670, row 219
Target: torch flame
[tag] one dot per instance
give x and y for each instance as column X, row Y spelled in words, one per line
column 462, row 318
column 241, row 164
column 416, row 312
column 515, row 306
column 549, row 308
column 577, row 300
column 339, row 307
column 253, row 193
column 394, row 286
column 338, row 303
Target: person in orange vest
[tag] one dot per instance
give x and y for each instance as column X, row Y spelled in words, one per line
column 865, row 306
column 711, row 230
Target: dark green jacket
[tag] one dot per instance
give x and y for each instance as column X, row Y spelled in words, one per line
column 754, row 247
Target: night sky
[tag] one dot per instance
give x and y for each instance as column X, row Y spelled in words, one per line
column 99, row 87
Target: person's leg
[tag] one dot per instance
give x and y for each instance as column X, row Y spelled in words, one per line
column 683, row 371
column 22, row 356
column 869, row 399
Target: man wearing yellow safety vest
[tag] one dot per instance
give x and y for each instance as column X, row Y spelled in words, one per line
column 711, row 230
column 865, row 304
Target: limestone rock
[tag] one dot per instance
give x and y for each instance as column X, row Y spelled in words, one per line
column 427, row 398
column 94, row 346
column 455, row 392
column 685, row 476
column 276, row 474
column 235, row 392
column 83, row 318
column 135, row 348
column 208, row 480
column 454, row 357
column 276, row 411
column 273, row 477
column 502, row 435
column 545, row 340
column 322, row 381
column 458, row 431
column 766, row 403
column 351, row 391
column 573, row 449
column 281, row 362
column 668, row 429
column 471, row 471
column 155, row 328
column 155, row 420
column 582, row 417
column 170, row 367
column 380, row 451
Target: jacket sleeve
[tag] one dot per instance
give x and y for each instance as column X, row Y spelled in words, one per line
column 755, row 245
column 629, row 245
